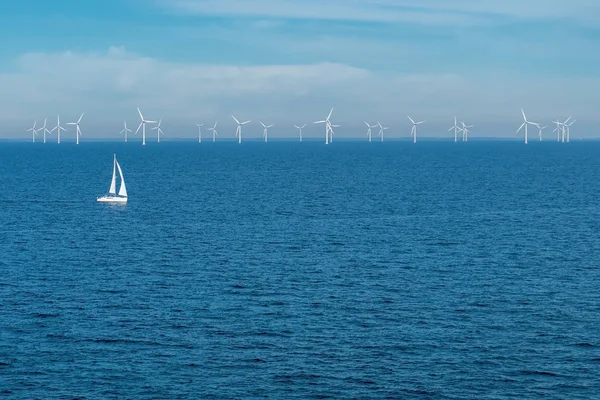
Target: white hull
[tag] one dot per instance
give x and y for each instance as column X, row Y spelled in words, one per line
column 112, row 199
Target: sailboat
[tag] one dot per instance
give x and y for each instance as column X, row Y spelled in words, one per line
column 112, row 196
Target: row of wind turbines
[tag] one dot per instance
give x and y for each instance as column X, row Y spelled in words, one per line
column 561, row 127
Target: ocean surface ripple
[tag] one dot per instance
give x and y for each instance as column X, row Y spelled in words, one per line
column 286, row 270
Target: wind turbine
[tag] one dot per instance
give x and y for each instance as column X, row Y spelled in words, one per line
column 525, row 123
column 238, row 131
column 331, row 132
column 456, row 129
column 143, row 126
column 199, row 132
column 33, row 132
column 568, row 126
column 58, row 128
column 465, row 130
column 327, row 126
column 214, row 131
column 158, row 131
column 266, row 130
column 77, row 130
column 381, row 129
column 369, row 130
column 564, row 129
column 540, row 129
column 44, row 130
column 300, row 129
column 557, row 129
column 413, row 131
column 125, row 130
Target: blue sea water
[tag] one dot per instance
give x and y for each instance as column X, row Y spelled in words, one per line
column 287, row 270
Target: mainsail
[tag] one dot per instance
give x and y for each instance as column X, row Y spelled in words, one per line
column 113, row 183
column 122, row 189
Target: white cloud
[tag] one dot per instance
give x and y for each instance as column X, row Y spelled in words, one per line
column 423, row 11
column 108, row 86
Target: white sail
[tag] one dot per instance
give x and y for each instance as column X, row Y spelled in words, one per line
column 113, row 183
column 122, row 189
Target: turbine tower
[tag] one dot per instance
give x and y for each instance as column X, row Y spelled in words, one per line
column 327, row 126
column 238, row 130
column 125, row 130
column 456, row 130
column 44, row 130
column 200, row 132
column 525, row 123
column 143, row 126
column 300, row 129
column 413, row 131
column 266, row 130
column 381, row 129
column 214, row 131
column 58, row 128
column 77, row 130
column 158, row 131
column 33, row 132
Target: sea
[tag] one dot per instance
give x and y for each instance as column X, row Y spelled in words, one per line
column 288, row 270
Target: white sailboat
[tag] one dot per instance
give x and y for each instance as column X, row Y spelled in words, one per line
column 112, row 196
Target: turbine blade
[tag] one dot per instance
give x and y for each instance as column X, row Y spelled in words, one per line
column 139, row 112
column 235, row 119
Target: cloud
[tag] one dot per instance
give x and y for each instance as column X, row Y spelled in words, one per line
column 454, row 12
column 109, row 85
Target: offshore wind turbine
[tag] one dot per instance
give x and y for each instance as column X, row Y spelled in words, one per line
column 381, row 129
column 540, row 129
column 214, row 131
column 200, row 132
column 300, row 129
column 331, row 132
column 266, row 131
column 413, row 131
column 58, row 128
column 143, row 126
column 564, row 129
column 557, row 129
column 238, row 131
column 525, row 123
column 77, row 130
column 465, row 130
column 369, row 130
column 327, row 126
column 456, row 129
column 568, row 126
column 158, row 131
column 44, row 130
column 33, row 131
column 125, row 130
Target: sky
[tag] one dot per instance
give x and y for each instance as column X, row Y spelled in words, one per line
column 289, row 61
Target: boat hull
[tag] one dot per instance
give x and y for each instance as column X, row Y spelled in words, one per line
column 112, row 199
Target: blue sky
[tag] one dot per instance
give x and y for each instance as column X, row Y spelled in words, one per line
column 289, row 61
